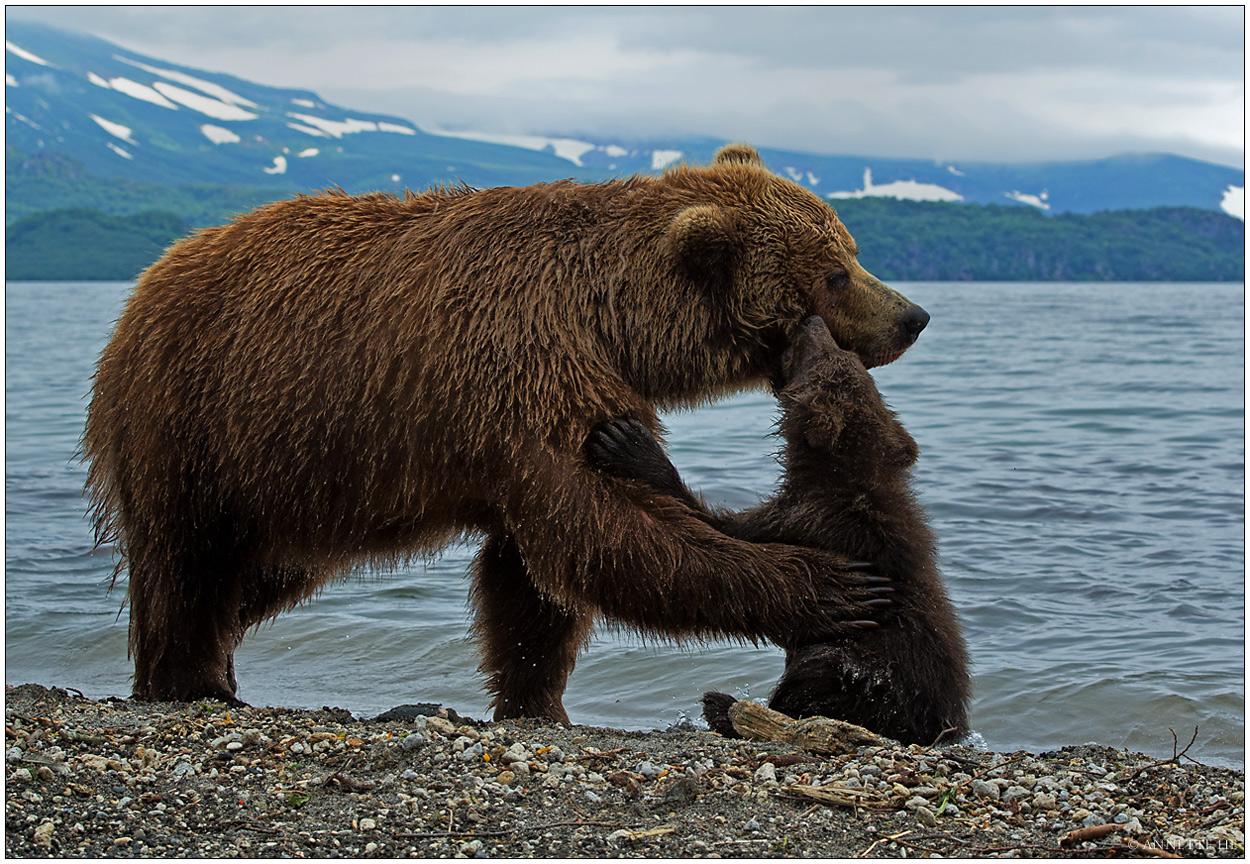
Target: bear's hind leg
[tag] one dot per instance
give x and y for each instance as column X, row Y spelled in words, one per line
column 183, row 621
column 529, row 643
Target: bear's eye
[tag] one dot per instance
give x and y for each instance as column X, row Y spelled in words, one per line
column 837, row 279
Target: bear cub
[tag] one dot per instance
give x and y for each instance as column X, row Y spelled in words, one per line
column 845, row 486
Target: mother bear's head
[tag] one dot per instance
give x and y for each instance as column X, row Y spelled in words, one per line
column 774, row 254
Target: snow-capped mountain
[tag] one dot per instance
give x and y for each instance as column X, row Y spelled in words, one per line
column 125, row 115
column 1125, row 182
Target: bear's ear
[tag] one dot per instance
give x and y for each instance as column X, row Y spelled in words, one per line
column 738, row 154
column 704, row 239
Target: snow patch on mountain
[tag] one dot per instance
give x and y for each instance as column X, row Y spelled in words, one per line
column 1234, row 202
column 279, row 166
column 395, row 127
column 306, row 152
column 661, row 159
column 615, row 151
column 26, row 55
column 799, row 176
column 1038, row 201
column 304, row 103
column 216, row 91
column 117, row 130
column 133, row 89
column 953, row 170
column 566, row 148
column 334, row 128
column 118, row 150
column 9, row 80
column 214, row 108
column 904, row 190
column 23, row 118
column 219, row 134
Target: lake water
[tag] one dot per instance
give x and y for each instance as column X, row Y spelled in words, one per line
column 1082, row 462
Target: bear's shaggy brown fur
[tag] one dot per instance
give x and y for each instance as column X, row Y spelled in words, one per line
column 845, row 487
column 335, row 381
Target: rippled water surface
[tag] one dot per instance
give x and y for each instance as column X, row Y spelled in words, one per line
column 1082, row 462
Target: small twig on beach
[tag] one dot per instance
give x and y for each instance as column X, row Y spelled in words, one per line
column 981, row 774
column 520, row 829
column 949, row 730
column 576, row 809
column 596, row 754
column 879, row 841
column 248, row 825
column 1175, row 760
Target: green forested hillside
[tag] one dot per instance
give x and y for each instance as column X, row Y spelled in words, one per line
column 900, row 240
column 53, row 181
column 919, row 241
column 87, row 244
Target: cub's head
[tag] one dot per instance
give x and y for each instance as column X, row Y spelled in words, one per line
column 832, row 410
column 773, row 254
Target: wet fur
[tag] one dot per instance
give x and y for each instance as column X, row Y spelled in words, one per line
column 339, row 381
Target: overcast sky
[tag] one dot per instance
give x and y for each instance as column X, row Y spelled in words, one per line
column 1004, row 84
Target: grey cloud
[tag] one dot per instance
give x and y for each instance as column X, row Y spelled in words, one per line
column 963, row 82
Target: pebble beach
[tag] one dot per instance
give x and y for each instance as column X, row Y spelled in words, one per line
column 117, row 778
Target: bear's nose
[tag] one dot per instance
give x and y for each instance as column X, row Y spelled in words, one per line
column 913, row 321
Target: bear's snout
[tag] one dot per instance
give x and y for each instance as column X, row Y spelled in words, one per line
column 914, row 320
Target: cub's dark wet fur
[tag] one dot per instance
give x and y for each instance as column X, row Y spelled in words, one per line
column 845, row 487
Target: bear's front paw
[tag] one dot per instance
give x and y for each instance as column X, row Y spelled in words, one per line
column 626, row 449
column 850, row 598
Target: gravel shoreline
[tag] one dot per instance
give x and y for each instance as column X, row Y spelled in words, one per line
column 116, row 778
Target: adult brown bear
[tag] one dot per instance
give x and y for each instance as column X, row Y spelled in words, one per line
column 335, row 381
column 845, row 487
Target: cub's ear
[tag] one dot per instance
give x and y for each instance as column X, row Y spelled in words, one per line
column 704, row 239
column 824, row 423
column 738, row 154
column 813, row 416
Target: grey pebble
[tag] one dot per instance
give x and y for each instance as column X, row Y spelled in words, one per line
column 981, row 789
column 647, row 770
column 1014, row 793
column 413, row 741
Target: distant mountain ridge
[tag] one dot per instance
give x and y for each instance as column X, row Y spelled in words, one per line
column 124, row 115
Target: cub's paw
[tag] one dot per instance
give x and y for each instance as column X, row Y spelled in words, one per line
column 626, row 449
column 716, row 713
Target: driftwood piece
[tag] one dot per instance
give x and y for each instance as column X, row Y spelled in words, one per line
column 1093, row 832
column 821, row 735
column 837, row 795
